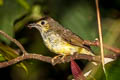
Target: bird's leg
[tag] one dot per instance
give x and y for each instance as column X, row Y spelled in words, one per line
column 53, row 59
column 63, row 58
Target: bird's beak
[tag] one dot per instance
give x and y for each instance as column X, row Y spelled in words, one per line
column 33, row 25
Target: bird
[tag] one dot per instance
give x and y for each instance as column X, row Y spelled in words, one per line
column 59, row 39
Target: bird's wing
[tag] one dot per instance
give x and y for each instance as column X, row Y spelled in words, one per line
column 71, row 38
column 67, row 35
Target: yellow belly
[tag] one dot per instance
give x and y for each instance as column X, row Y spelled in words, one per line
column 57, row 45
column 63, row 48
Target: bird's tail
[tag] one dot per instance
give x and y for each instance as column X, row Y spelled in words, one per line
column 85, row 51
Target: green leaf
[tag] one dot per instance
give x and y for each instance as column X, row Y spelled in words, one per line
column 2, row 58
column 1, row 2
column 97, row 73
column 24, row 4
column 10, row 12
column 113, row 70
column 34, row 15
column 8, row 53
column 78, row 16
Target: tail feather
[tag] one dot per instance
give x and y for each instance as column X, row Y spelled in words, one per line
column 85, row 51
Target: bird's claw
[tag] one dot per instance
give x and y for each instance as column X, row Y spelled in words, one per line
column 54, row 58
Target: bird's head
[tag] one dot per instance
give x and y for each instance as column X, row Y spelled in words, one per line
column 42, row 25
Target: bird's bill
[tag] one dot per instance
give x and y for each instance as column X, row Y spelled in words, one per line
column 33, row 25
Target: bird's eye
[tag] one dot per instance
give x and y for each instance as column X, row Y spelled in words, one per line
column 42, row 22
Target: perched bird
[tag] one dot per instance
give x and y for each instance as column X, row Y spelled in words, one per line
column 58, row 39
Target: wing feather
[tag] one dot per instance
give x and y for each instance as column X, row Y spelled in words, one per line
column 66, row 34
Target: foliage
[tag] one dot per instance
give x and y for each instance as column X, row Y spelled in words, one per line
column 77, row 15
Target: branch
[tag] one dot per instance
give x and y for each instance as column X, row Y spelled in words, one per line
column 23, row 57
column 56, row 61
column 14, row 41
column 96, row 43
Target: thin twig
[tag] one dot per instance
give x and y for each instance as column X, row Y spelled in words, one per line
column 100, row 34
column 96, row 43
column 115, row 50
column 14, row 41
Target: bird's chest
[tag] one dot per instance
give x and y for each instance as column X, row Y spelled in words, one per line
column 56, row 44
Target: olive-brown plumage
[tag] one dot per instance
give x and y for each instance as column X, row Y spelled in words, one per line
column 59, row 39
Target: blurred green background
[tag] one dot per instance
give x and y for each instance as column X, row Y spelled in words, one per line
column 77, row 15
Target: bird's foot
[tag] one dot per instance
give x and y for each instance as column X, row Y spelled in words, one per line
column 63, row 58
column 54, row 58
